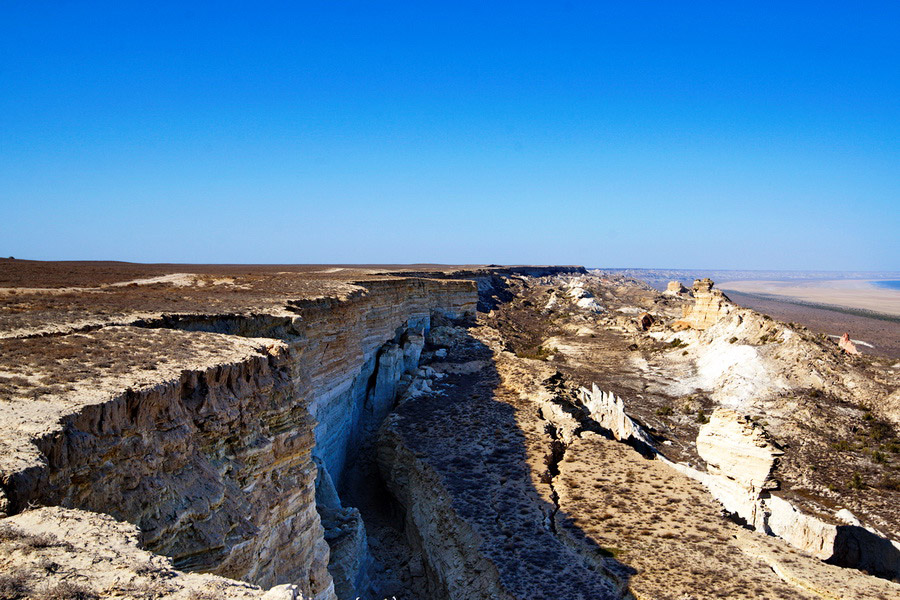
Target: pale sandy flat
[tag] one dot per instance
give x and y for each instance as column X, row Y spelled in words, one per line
column 850, row 293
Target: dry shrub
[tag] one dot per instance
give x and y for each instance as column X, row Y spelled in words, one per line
column 66, row 590
column 14, row 585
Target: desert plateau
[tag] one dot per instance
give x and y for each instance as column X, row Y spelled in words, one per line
column 432, row 432
column 580, row 300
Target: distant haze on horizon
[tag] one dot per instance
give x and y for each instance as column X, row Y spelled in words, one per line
column 744, row 137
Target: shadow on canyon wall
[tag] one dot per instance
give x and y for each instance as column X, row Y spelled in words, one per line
column 480, row 438
column 859, row 548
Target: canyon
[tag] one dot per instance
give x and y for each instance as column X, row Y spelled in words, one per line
column 425, row 431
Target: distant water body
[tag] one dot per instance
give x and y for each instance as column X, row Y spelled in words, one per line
column 891, row 284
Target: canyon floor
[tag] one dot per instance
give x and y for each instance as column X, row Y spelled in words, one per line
column 424, row 431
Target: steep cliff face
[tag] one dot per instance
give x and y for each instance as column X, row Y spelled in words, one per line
column 358, row 440
column 471, row 464
column 457, row 567
column 211, row 459
column 355, row 353
column 211, row 453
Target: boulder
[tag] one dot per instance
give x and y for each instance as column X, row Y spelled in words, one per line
column 675, row 289
column 847, row 345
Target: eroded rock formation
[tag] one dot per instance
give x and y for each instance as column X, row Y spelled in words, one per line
column 357, row 434
column 741, row 456
column 212, row 457
column 709, row 306
column 847, row 345
column 674, row 288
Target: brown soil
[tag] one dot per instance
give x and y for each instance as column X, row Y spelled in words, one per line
column 882, row 333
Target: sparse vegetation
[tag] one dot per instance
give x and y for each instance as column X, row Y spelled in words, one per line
column 14, row 585
column 29, row 542
column 889, row 483
column 609, row 552
column 55, row 365
column 856, row 481
column 66, row 590
column 538, row 353
column 880, row 431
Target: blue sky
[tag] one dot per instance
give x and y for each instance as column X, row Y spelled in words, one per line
column 690, row 135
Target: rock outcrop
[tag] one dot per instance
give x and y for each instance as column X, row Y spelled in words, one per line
column 709, row 306
column 847, row 345
column 740, row 458
column 211, row 454
column 583, row 298
column 608, row 411
column 674, row 288
column 738, row 453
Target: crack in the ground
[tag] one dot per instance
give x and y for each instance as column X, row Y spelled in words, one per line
column 552, row 460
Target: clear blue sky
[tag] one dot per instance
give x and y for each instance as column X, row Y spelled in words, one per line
column 691, row 134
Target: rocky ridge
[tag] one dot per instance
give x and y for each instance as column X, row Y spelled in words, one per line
column 212, row 454
column 530, row 455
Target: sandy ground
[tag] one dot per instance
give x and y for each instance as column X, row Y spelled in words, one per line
column 851, row 293
column 664, row 535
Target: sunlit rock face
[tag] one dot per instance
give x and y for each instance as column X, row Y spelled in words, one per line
column 709, row 307
column 740, row 459
column 734, row 446
column 211, row 459
column 608, row 411
column 211, row 454
column 674, row 288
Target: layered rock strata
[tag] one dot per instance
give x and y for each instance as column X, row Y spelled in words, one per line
column 709, row 306
column 211, row 457
column 211, row 454
column 674, row 288
column 740, row 459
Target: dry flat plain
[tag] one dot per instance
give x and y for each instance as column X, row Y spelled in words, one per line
column 858, row 294
column 881, row 333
